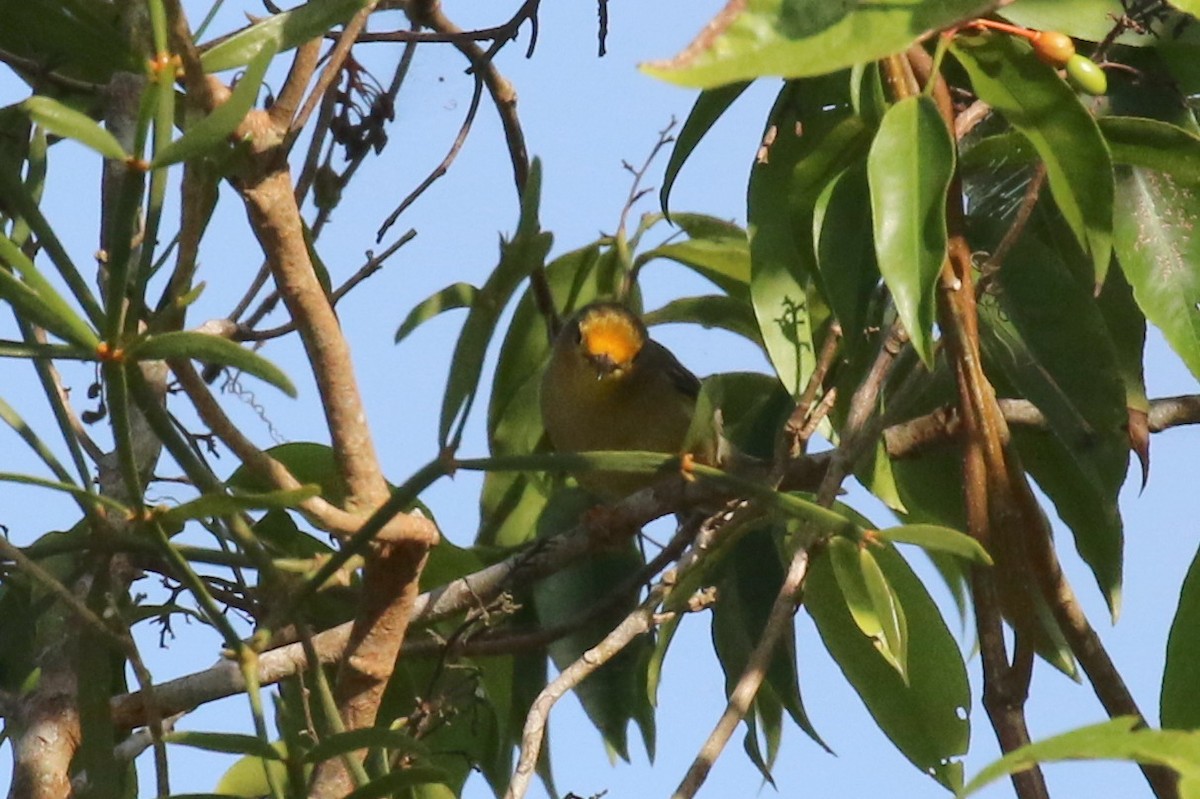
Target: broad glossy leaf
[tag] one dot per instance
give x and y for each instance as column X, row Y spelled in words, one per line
column 1153, row 144
column 747, row 582
column 1118, row 739
column 708, row 108
column 927, row 717
column 846, row 251
column 81, row 38
column 454, row 296
column 1160, row 254
column 215, row 129
column 1091, row 20
column 614, row 694
column 909, row 168
column 801, row 38
column 518, row 258
column 1046, row 334
column 784, row 187
column 62, row 120
column 210, row 349
column 284, row 31
column 308, row 462
column 1035, row 101
column 1179, row 702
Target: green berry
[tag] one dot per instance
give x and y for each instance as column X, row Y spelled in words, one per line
column 1086, row 76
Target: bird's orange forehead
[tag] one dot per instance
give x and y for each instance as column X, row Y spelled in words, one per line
column 612, row 336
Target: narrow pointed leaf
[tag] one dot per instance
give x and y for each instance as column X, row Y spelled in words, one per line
column 217, row 505
column 37, row 297
column 454, row 296
column 215, row 129
column 284, row 31
column 935, row 538
column 909, row 167
column 227, row 742
column 210, row 349
column 518, row 258
column 708, row 108
column 62, row 120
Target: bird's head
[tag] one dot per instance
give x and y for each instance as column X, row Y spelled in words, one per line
column 609, row 336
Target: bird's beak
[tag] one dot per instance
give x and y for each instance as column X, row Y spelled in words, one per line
column 604, row 365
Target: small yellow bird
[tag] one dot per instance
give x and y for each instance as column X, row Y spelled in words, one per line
column 609, row 386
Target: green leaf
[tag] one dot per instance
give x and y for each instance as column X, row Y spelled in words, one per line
column 894, row 644
column 1179, row 702
column 1153, row 144
column 307, row 461
column 283, row 31
column 456, row 295
column 723, row 259
column 1117, row 739
column 936, row 538
column 210, row 349
column 218, row 505
column 37, row 301
column 1160, row 255
column 845, row 250
column 1091, row 20
column 784, row 187
column 800, row 38
column 227, row 742
column 62, row 120
column 1035, row 101
column 518, row 258
column 615, row 693
column 80, row 39
column 909, row 168
column 1045, row 334
column 215, row 129
column 84, row 496
column 927, row 717
column 709, row 311
column 843, row 555
column 708, row 108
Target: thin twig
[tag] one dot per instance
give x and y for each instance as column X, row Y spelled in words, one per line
column 334, row 65
column 991, row 267
column 778, row 621
column 443, row 167
column 374, row 264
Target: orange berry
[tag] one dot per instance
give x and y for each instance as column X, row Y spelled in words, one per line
column 1053, row 47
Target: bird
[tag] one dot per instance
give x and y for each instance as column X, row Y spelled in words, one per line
column 609, row 386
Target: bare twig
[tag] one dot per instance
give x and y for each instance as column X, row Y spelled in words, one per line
column 991, row 267
column 443, row 167
column 917, row 436
column 740, row 699
column 374, row 264
column 336, row 57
